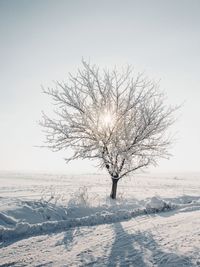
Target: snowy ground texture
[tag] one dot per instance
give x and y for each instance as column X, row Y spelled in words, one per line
column 58, row 220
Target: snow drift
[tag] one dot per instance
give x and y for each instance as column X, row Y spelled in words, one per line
column 105, row 216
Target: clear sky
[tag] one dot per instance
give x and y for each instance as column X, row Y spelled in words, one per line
column 41, row 41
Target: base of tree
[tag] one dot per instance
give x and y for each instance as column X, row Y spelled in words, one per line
column 114, row 188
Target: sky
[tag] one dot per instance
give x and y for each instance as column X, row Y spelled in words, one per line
column 42, row 41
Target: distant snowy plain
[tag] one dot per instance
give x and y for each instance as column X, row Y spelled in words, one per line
column 69, row 220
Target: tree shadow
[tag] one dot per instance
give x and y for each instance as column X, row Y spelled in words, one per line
column 68, row 237
column 141, row 250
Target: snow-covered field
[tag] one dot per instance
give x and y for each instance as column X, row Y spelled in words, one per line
column 60, row 220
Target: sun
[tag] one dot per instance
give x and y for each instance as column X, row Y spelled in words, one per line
column 106, row 120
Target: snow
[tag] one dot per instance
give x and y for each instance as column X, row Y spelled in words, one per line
column 157, row 204
column 56, row 220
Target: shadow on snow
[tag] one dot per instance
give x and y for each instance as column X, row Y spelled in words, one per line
column 140, row 249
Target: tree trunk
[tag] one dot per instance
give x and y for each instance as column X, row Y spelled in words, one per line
column 114, row 188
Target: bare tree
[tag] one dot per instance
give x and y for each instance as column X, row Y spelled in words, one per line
column 118, row 118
